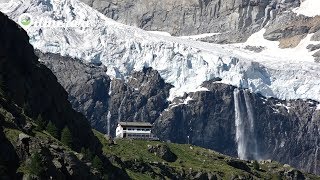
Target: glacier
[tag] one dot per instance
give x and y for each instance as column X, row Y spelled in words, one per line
column 308, row 8
column 182, row 62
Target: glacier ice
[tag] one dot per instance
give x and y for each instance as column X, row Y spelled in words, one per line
column 309, row 8
column 184, row 63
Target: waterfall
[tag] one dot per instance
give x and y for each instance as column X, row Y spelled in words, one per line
column 240, row 126
column 110, row 88
column 252, row 135
column 135, row 116
column 244, row 122
column 142, row 117
column 316, row 158
column 108, row 123
column 120, row 107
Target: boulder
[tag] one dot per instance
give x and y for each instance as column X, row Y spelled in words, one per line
column 238, row 164
column 23, row 138
column 23, row 146
column 294, row 174
column 163, row 151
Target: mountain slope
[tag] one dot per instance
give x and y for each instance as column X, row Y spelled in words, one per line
column 159, row 160
column 32, row 86
column 30, row 97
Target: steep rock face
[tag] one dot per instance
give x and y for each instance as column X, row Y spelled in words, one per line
column 289, row 29
column 104, row 102
column 195, row 17
column 87, row 85
column 286, row 131
column 207, row 120
column 142, row 98
column 32, row 86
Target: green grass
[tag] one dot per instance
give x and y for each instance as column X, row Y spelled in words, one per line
column 8, row 117
column 189, row 157
column 23, row 168
column 12, row 135
column 138, row 176
column 195, row 158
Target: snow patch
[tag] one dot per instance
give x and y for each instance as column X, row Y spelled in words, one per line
column 286, row 106
column 162, row 33
column 199, row 36
column 308, row 8
column 187, row 100
column 297, row 54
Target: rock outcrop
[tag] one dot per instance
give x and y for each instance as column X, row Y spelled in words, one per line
column 163, row 151
column 286, row 131
column 234, row 19
column 102, row 100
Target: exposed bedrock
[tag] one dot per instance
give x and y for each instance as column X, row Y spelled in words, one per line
column 236, row 19
column 286, row 131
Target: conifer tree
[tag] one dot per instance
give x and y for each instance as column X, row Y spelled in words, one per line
column 256, row 165
column 36, row 166
column 97, row 164
column 66, row 137
column 53, row 130
column 41, row 123
column 89, row 155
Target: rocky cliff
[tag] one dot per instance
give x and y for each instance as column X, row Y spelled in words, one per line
column 286, row 131
column 236, row 20
column 141, row 98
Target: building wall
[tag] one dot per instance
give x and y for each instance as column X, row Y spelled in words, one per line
column 133, row 132
column 119, row 132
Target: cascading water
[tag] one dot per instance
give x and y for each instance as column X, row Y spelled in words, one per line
column 108, row 123
column 240, row 126
column 109, row 113
column 316, row 158
column 142, row 118
column 135, row 116
column 244, row 122
column 253, row 143
column 120, row 107
column 110, row 88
